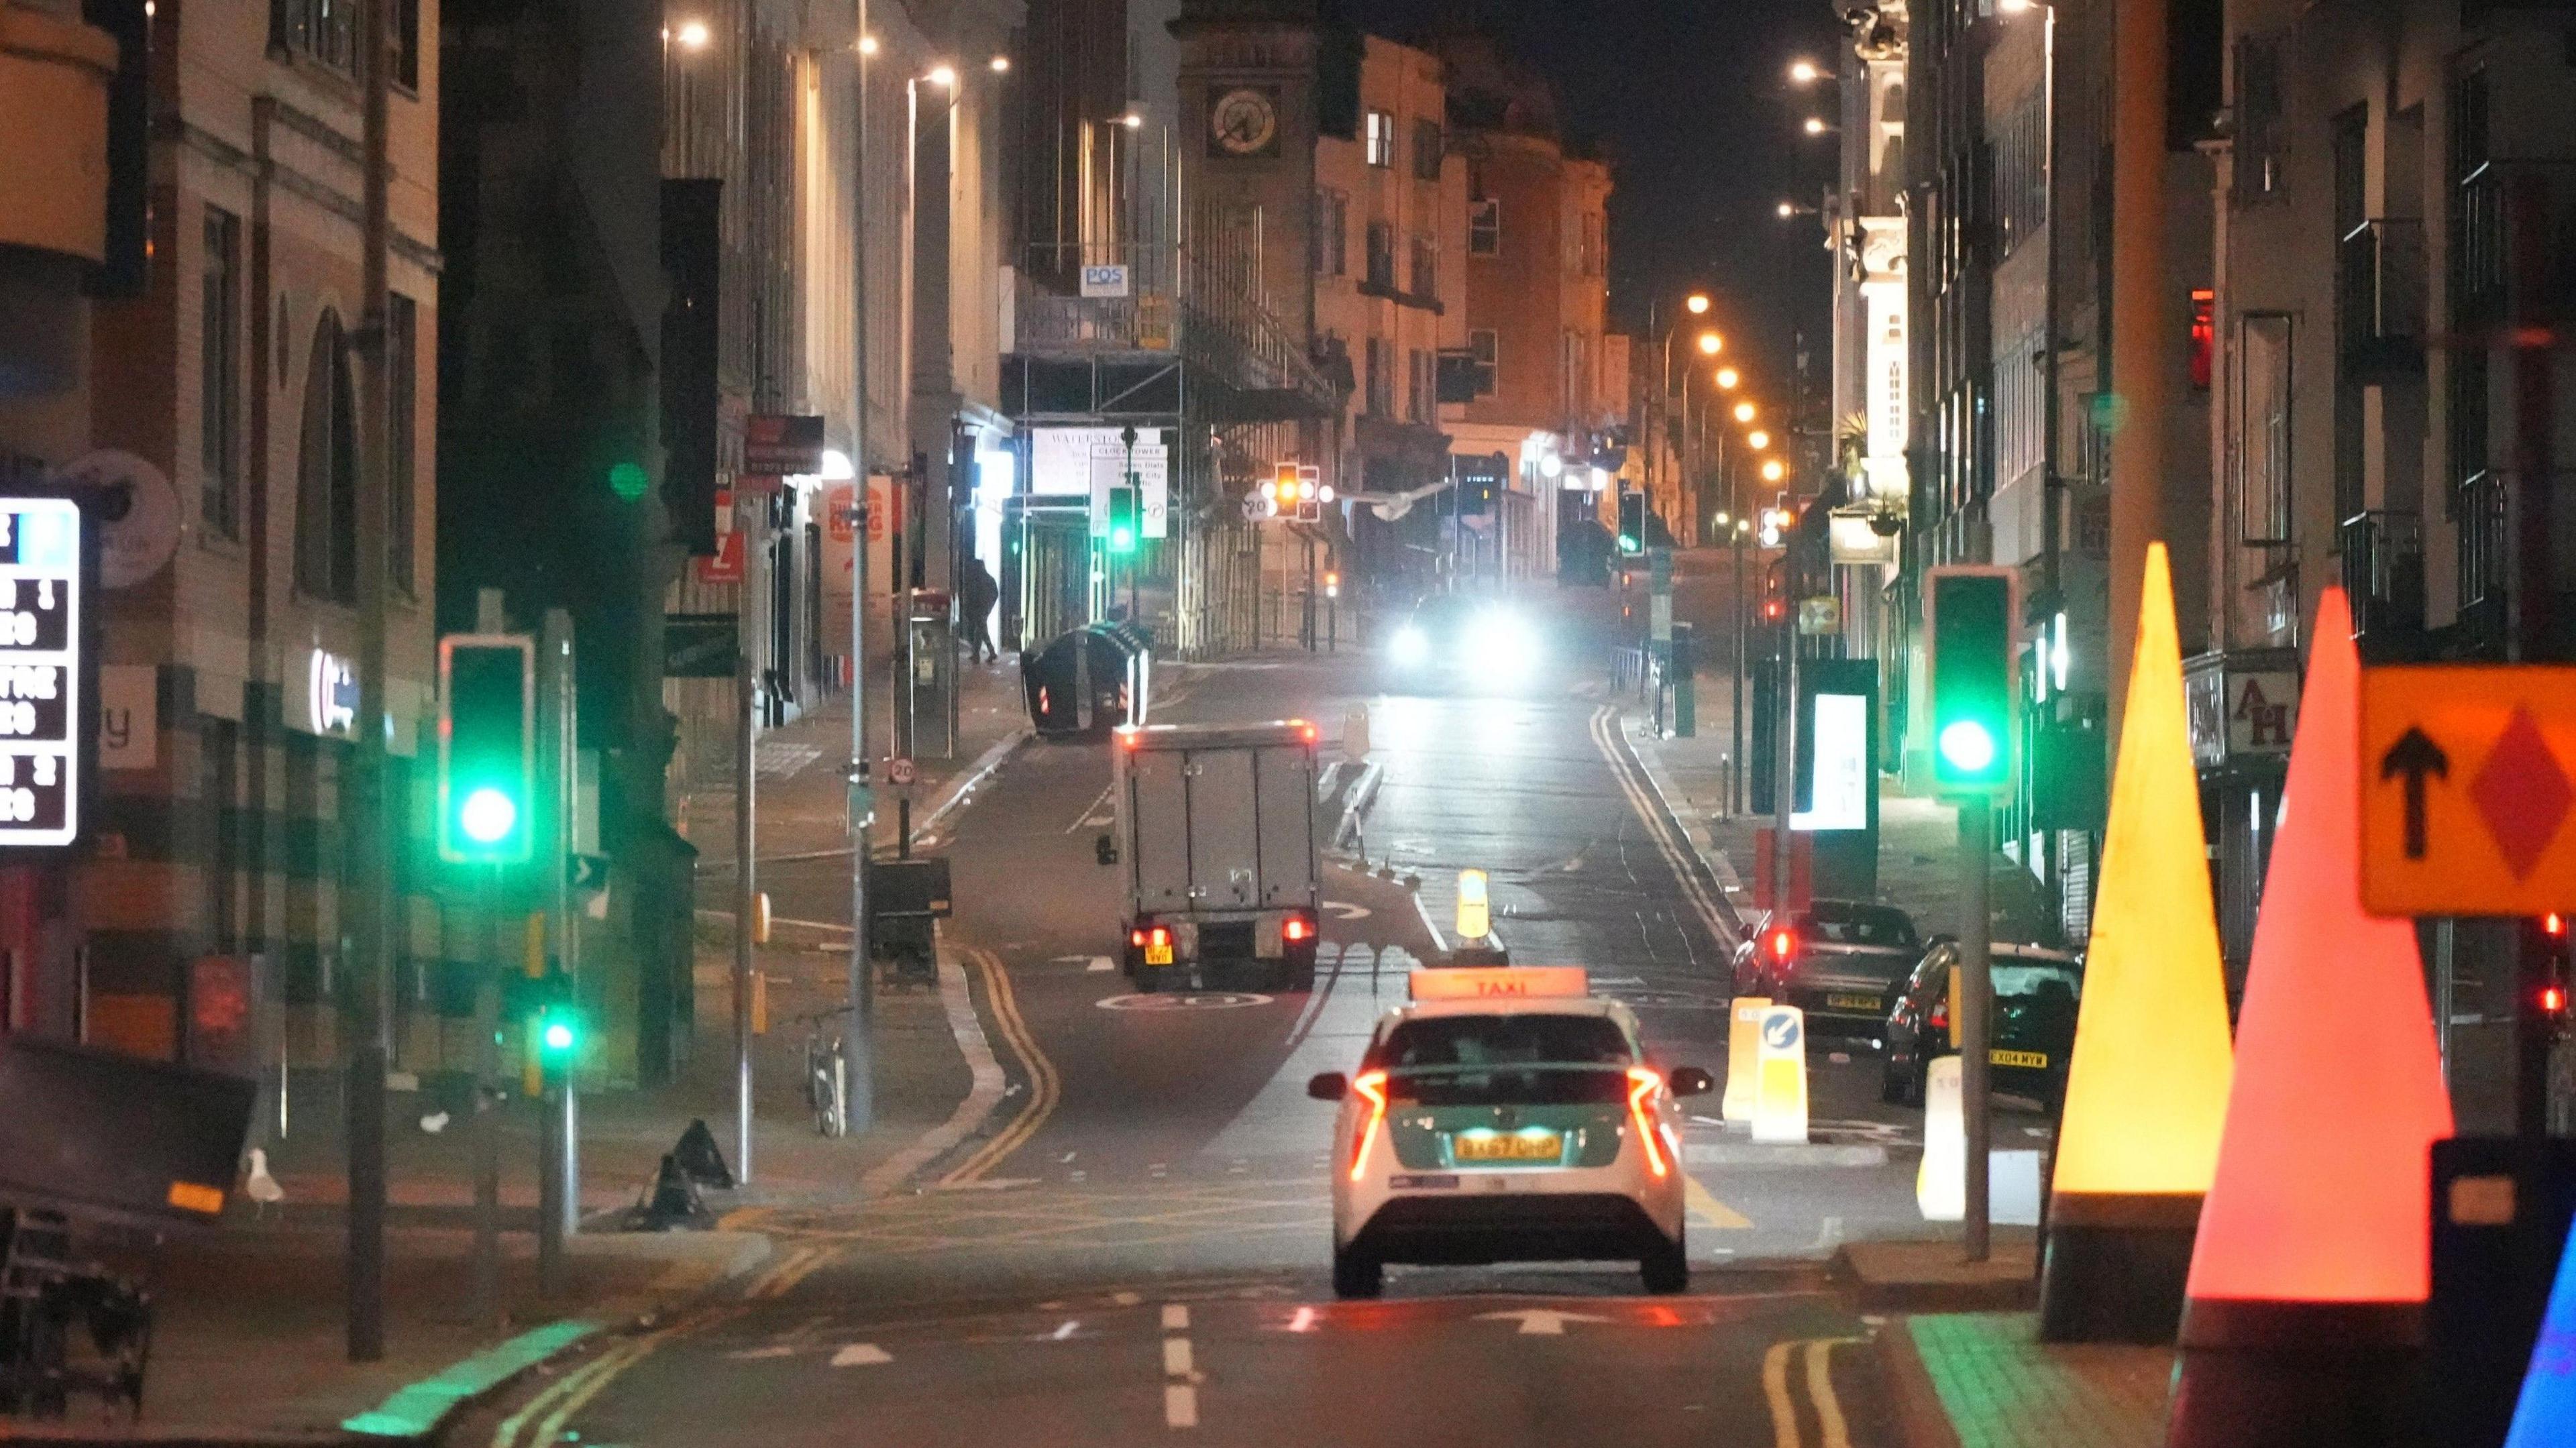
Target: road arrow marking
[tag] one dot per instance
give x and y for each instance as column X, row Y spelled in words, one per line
column 861, row 1355
column 1540, row 1321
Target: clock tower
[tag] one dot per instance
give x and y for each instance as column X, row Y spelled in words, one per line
column 1253, row 98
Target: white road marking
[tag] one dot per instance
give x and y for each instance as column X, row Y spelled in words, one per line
column 1180, row 1405
column 1101, row 963
column 757, row 1354
column 1090, row 812
column 1540, row 1321
column 1176, row 1357
column 1176, row 1317
column 1303, row 1321
column 1071, row 1324
column 860, row 1355
column 1125, row 1299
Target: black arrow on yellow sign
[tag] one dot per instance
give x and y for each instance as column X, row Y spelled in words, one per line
column 2414, row 755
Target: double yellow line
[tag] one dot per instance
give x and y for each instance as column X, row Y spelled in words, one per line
column 549, row 1410
column 1045, row 1087
column 1677, row 855
column 1831, row 1430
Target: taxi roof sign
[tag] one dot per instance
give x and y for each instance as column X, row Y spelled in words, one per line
column 1508, row 982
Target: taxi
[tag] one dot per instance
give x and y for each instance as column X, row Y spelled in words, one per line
column 1507, row 1115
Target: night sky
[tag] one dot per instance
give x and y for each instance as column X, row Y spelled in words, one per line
column 1690, row 102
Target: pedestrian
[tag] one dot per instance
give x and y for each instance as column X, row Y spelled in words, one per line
column 976, row 595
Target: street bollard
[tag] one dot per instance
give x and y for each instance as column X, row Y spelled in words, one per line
column 1941, row 1181
column 1685, row 689
column 1743, row 1049
column 1780, row 1078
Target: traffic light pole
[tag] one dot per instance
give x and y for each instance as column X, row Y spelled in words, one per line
column 1976, row 1015
column 751, row 509
column 858, row 1101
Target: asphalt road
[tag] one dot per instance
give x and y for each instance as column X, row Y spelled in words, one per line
column 1135, row 1244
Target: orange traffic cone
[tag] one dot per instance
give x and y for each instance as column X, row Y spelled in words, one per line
column 2312, row 1264
column 2146, row 1089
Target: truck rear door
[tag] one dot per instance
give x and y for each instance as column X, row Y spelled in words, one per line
column 1286, row 795
column 1225, row 850
column 1157, row 813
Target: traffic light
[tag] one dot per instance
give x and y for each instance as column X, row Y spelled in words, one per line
column 1332, row 584
column 1969, row 613
column 1632, row 523
column 486, row 748
column 1124, row 525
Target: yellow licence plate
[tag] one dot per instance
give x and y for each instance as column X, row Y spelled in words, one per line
column 2036, row 1060
column 1852, row 1002
column 1519, row 1146
column 1158, row 955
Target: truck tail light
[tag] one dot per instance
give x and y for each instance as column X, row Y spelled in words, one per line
column 1296, row 928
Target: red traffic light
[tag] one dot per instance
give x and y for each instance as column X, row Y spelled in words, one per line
column 2553, row 999
column 1774, row 610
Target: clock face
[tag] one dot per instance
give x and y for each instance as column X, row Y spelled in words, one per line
column 1244, row 121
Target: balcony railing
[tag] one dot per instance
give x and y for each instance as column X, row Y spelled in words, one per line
column 2481, row 520
column 2383, row 571
column 2379, row 295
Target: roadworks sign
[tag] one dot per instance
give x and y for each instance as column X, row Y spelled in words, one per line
column 2468, row 785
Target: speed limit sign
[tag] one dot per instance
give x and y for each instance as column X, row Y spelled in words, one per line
column 899, row 771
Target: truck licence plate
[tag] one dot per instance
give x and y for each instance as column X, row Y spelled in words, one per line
column 1158, row 954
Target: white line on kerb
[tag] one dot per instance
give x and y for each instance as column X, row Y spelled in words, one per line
column 1176, row 1317
column 1176, row 1357
column 1180, row 1405
column 1181, row 1394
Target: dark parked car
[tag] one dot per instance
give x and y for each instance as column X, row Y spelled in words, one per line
column 1840, row 961
column 2036, row 991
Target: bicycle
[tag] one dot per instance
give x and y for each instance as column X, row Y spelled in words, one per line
column 827, row 1075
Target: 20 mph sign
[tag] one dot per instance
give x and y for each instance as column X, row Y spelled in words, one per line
column 2468, row 785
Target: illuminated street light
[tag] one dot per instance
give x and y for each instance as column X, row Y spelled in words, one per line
column 1773, row 470
column 1816, row 126
column 1744, row 411
column 1710, row 344
column 1787, row 210
column 1001, row 65
column 1698, row 304
column 867, row 45
column 1757, row 439
column 1727, row 377
column 942, row 76
column 693, row 35
column 1132, row 120
column 1805, row 72
column 1722, row 519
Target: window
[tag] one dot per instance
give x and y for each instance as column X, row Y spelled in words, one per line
column 1381, row 138
column 322, row 30
column 1381, row 255
column 326, row 482
column 219, row 374
column 1485, row 227
column 1420, row 405
column 402, row 417
column 2262, row 444
column 1381, row 377
column 1426, row 150
column 1483, row 349
column 1426, row 277
column 407, row 44
column 1332, row 233
column 1592, row 248
column 2262, row 135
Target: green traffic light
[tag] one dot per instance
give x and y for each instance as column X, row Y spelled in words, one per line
column 1968, row 746
column 628, row 480
column 559, row 1036
column 1627, row 544
column 1122, row 540
column 488, row 816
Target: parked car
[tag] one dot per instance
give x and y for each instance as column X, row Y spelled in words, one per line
column 1840, row 961
column 2036, row 991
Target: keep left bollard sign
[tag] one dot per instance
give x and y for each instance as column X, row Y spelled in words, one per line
column 1780, row 1077
column 43, row 671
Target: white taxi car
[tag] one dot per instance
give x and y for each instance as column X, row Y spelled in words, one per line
column 1506, row 1115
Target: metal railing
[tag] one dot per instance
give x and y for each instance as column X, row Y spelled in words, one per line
column 2383, row 570
column 2481, row 519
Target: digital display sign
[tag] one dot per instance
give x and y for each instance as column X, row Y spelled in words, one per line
column 40, row 670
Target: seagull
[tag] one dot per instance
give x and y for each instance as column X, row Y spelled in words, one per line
column 261, row 1187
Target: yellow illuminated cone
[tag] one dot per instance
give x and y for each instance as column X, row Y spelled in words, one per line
column 2146, row 1093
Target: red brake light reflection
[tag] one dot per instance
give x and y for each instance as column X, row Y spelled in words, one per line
column 1372, row 1085
column 1642, row 1087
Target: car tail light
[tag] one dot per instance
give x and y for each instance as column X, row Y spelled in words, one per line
column 1643, row 1087
column 1042, row 698
column 1295, row 929
column 1940, row 1020
column 1372, row 1087
column 1784, row 943
column 1161, row 935
column 1135, row 937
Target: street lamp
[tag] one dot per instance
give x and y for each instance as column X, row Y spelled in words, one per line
column 1698, row 304
column 1757, row 439
column 1001, row 65
column 1805, row 72
column 693, row 35
column 1727, row 377
column 1710, row 344
column 942, row 76
column 1133, row 120
column 1773, row 470
column 867, row 45
column 1744, row 411
column 1816, row 126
